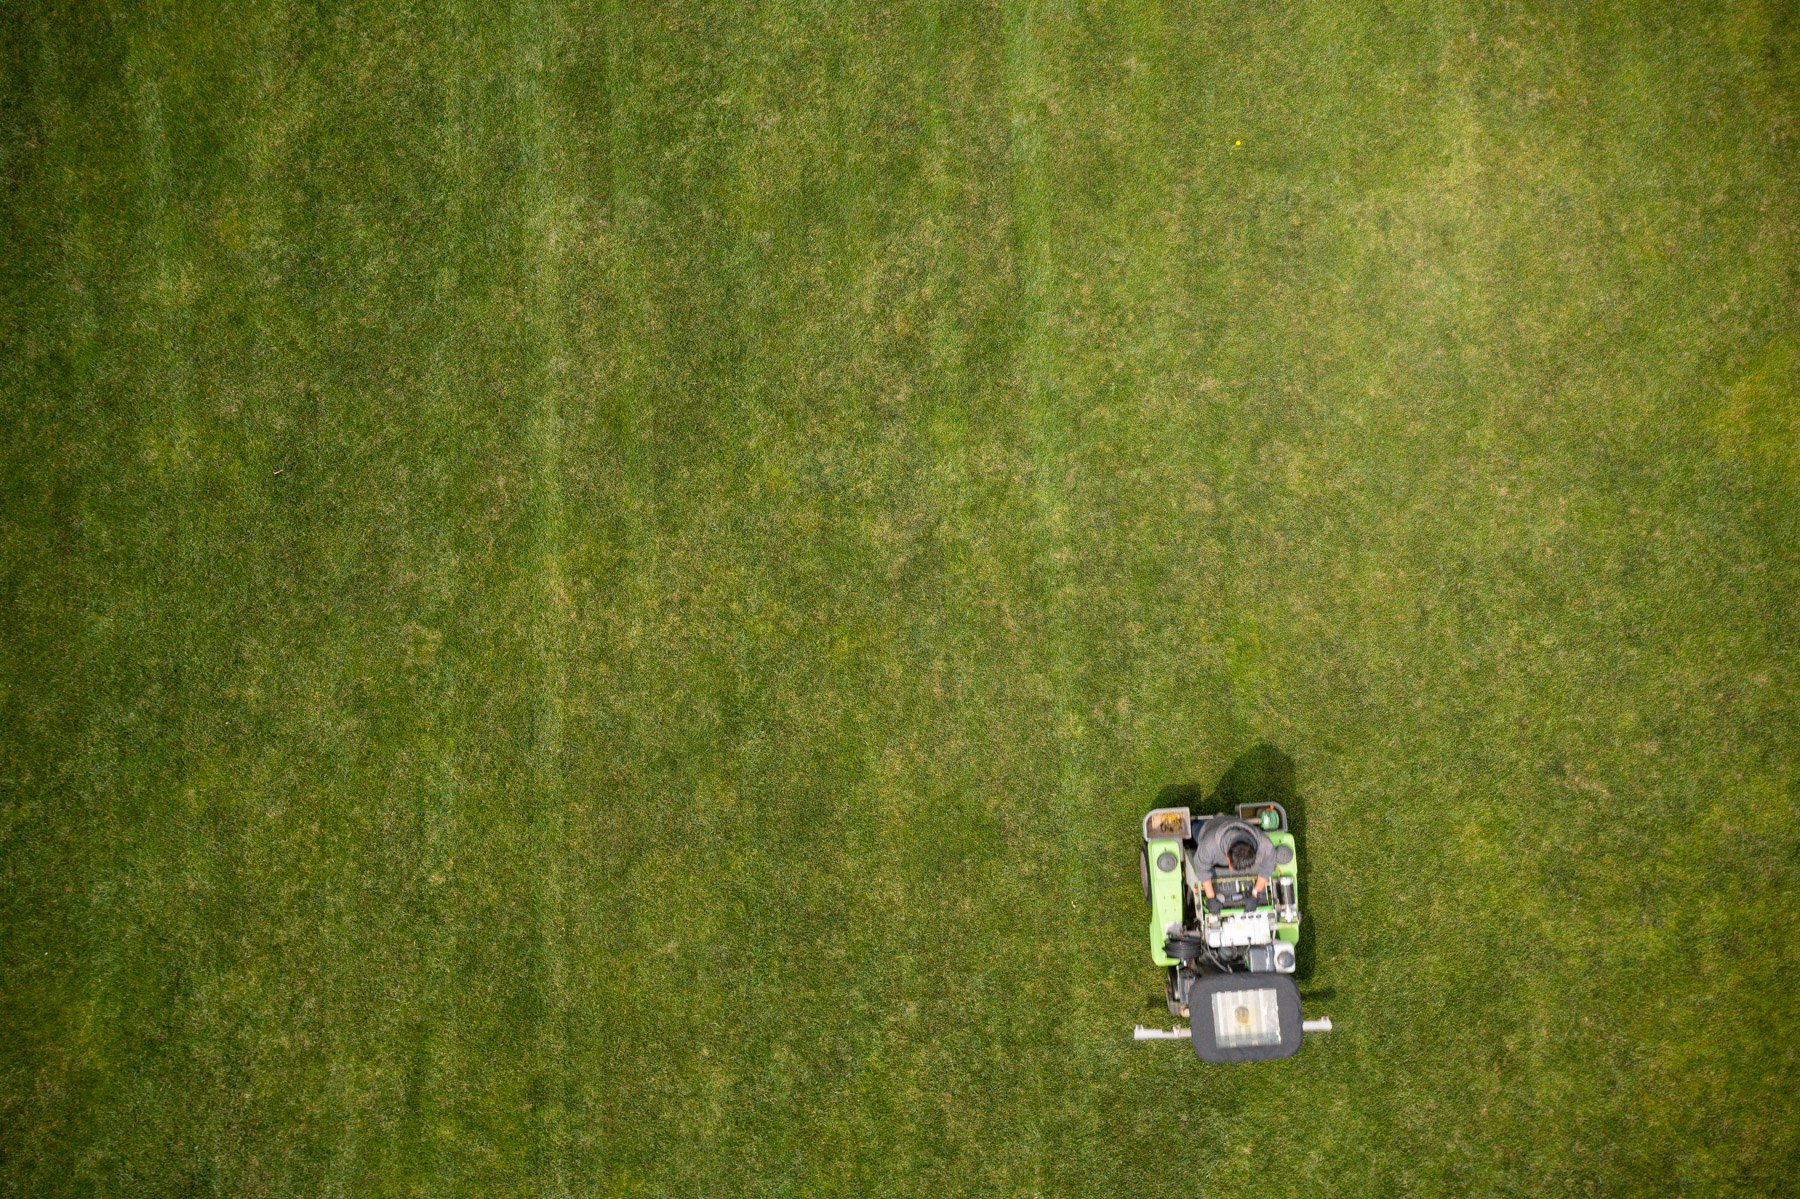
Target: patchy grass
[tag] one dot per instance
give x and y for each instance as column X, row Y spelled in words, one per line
column 594, row 592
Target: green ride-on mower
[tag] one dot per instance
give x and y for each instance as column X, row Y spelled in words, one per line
column 1224, row 896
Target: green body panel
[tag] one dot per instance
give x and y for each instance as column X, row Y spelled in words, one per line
column 1287, row 839
column 1165, row 898
column 1288, row 932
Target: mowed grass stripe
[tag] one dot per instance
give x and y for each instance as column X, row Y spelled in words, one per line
column 535, row 37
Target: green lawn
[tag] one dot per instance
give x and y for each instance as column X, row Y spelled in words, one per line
column 593, row 593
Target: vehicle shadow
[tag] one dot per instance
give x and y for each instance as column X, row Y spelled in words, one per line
column 1261, row 774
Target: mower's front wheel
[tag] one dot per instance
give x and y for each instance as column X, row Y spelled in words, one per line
column 1144, row 870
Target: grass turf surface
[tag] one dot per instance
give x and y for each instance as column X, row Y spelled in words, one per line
column 593, row 594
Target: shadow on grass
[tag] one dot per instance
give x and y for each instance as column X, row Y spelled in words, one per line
column 1262, row 774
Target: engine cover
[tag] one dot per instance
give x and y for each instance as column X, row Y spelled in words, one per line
column 1231, row 930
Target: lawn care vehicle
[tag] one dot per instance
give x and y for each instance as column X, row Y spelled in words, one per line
column 1224, row 896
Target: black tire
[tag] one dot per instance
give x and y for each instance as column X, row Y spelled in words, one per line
column 1185, row 947
column 1144, row 870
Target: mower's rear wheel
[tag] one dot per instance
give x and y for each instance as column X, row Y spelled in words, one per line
column 1144, row 870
